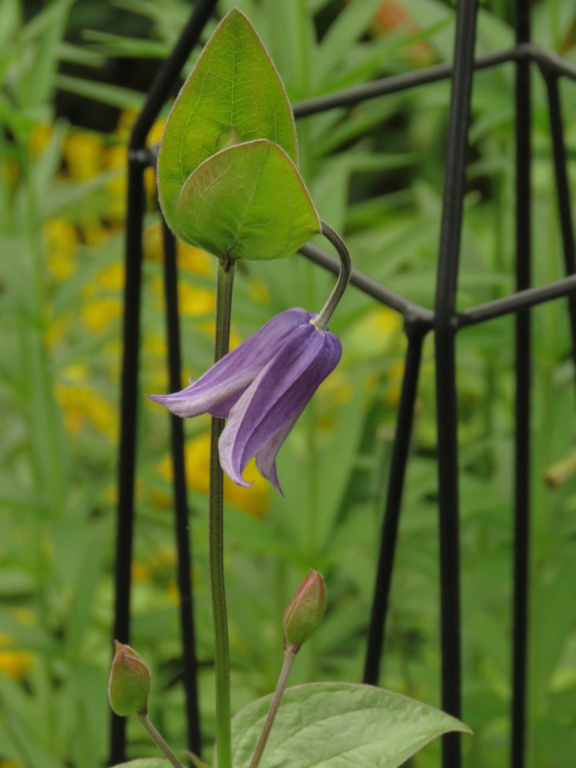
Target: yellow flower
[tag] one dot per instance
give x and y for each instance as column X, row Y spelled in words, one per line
column 115, row 158
column 376, row 333
column 95, row 232
column 394, row 382
column 13, row 663
column 82, row 405
column 39, row 139
column 83, row 155
column 140, row 572
column 336, row 388
column 156, row 131
column 194, row 259
column 60, row 242
column 100, row 313
column 152, row 242
column 112, row 277
column 253, row 500
column 194, row 301
column 188, row 257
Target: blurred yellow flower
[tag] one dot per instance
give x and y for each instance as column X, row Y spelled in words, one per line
column 82, row 405
column 152, row 242
column 188, row 258
column 13, row 663
column 115, row 158
column 258, row 291
column 99, row 313
column 140, row 572
column 83, row 155
column 253, row 500
column 194, row 259
column 194, row 301
column 336, row 388
column 95, row 232
column 39, row 138
column 156, row 131
column 375, row 334
column 394, row 378
column 60, row 244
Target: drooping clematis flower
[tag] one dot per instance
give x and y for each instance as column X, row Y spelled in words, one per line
column 261, row 387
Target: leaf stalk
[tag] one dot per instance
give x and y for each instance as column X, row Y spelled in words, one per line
column 325, row 314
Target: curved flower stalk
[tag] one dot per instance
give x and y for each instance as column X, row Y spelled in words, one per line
column 261, row 387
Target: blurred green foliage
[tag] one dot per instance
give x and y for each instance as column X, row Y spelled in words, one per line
column 376, row 174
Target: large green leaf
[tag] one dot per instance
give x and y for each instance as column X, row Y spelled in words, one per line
column 247, row 201
column 234, row 94
column 329, row 725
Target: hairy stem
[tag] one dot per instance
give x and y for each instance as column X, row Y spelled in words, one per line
column 155, row 736
column 216, row 533
column 343, row 278
column 280, row 688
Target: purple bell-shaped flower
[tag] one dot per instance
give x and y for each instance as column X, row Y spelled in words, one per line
column 261, row 388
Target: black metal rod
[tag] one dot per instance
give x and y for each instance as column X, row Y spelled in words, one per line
column 563, row 194
column 128, row 420
column 169, row 72
column 523, row 365
column 412, row 312
column 397, row 83
column 549, row 61
column 516, row 302
column 391, row 519
column 446, row 393
column 165, row 79
column 184, row 566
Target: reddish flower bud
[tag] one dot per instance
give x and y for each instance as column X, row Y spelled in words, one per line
column 129, row 684
column 305, row 612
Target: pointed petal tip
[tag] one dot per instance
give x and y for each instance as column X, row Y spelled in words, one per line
column 238, row 479
column 155, row 398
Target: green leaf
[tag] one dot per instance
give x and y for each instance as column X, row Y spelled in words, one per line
column 145, row 762
column 233, row 95
column 248, row 201
column 114, row 95
column 329, row 724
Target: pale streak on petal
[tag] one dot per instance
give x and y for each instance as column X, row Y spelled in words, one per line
column 220, row 387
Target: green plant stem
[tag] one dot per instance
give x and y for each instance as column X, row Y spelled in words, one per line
column 279, row 692
column 155, row 736
column 216, row 533
column 343, row 278
column 194, row 759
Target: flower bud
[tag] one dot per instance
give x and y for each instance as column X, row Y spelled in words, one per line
column 305, row 612
column 129, row 684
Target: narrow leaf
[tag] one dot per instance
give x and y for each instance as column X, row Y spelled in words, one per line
column 145, row 762
column 247, row 201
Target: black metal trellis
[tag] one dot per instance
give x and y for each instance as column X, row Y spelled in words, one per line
column 444, row 322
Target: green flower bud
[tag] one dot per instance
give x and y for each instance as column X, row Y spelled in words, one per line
column 129, row 684
column 305, row 612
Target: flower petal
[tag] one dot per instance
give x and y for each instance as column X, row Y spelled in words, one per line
column 266, row 455
column 279, row 392
column 221, row 386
